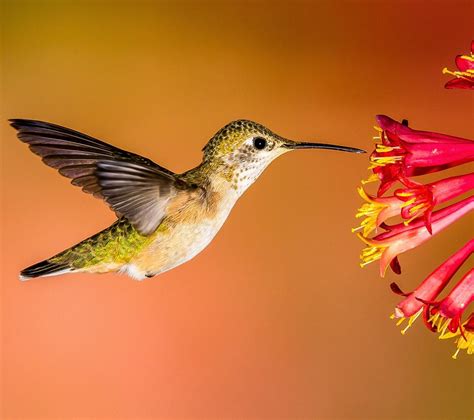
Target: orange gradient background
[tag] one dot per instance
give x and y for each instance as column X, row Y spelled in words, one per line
column 274, row 319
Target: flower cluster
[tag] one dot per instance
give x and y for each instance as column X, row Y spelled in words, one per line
column 401, row 155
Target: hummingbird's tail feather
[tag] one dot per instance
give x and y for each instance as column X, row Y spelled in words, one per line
column 107, row 251
column 44, row 269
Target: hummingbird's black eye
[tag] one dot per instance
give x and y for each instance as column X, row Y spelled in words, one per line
column 259, row 143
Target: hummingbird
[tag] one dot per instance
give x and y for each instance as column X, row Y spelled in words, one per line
column 163, row 218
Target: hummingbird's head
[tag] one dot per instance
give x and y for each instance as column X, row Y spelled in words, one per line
column 245, row 148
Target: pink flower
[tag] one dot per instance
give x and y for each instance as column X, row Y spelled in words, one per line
column 401, row 238
column 464, row 76
column 445, row 316
column 415, row 302
column 411, row 202
column 404, row 153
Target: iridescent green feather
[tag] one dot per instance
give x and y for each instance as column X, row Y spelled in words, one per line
column 117, row 244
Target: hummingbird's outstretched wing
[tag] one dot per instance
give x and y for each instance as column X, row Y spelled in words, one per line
column 133, row 186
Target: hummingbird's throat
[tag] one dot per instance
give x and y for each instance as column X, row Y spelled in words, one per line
column 243, row 169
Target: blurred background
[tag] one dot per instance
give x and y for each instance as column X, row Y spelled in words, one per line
column 275, row 318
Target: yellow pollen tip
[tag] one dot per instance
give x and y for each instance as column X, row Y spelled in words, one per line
column 371, row 178
column 384, row 160
column 408, row 203
column 466, row 75
column 400, row 319
column 406, row 194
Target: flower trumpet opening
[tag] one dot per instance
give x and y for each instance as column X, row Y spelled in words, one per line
column 453, row 305
column 464, row 336
column 446, row 316
column 400, row 238
column 420, row 200
column 410, row 203
column 422, row 297
column 401, row 152
column 376, row 211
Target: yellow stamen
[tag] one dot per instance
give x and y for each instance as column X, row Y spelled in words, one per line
column 381, row 148
column 409, row 202
column 465, row 342
column 415, row 211
column 371, row 253
column 406, row 193
column 377, row 128
column 434, row 318
column 468, row 57
column 384, row 160
column 371, row 178
column 443, row 325
column 411, row 320
column 466, row 75
column 370, row 210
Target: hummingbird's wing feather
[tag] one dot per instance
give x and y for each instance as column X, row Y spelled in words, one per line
column 133, row 186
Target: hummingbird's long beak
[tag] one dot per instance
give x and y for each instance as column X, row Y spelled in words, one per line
column 289, row 144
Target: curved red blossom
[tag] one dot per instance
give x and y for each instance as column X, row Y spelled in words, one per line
column 404, row 153
column 464, row 76
column 420, row 200
column 447, row 313
column 410, row 203
column 415, row 302
column 400, row 238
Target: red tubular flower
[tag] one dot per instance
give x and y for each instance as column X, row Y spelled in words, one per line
column 410, row 203
column 412, row 306
column 404, row 152
column 464, row 76
column 446, row 316
column 421, row 199
column 401, row 238
column 452, row 306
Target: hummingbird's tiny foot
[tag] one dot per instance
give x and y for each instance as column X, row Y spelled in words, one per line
column 149, row 276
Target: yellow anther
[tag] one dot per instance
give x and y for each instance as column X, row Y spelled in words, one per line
column 466, row 75
column 411, row 320
column 417, row 207
column 409, row 202
column 381, row 148
column 384, row 160
column 371, row 178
